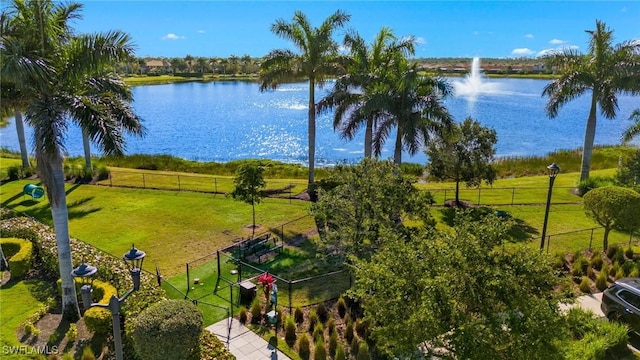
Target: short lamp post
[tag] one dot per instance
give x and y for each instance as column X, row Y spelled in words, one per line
column 133, row 258
column 554, row 169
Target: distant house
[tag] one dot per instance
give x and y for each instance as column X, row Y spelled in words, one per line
column 155, row 67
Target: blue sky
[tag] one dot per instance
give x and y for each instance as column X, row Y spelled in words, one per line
column 444, row 28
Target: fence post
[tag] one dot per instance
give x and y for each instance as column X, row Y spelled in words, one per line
column 282, row 232
column 290, row 192
column 110, row 180
column 215, row 186
column 188, row 280
column 513, row 195
column 548, row 243
column 218, row 257
column 239, row 271
column 479, row 195
column 144, row 183
column 444, row 202
column 290, row 305
column 178, row 183
column 591, row 240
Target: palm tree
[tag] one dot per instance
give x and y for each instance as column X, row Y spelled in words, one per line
column 69, row 83
column 634, row 129
column 12, row 103
column 410, row 103
column 606, row 71
column 318, row 59
column 366, row 68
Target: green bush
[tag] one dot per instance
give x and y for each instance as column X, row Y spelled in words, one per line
column 619, row 273
column 322, row 312
column 629, row 253
column 342, row 307
column 331, row 325
column 242, row 315
column 594, row 338
column 319, row 352
column 96, row 319
column 340, row 354
column 558, row 261
column 348, row 331
column 318, row 332
column 298, row 315
column 333, row 343
column 362, row 328
column 618, row 256
column 256, row 311
column 584, row 285
column 72, row 333
column 355, row 346
column 87, row 353
column 303, row 346
column 593, row 182
column 290, row 331
column 601, row 281
column 611, row 251
column 103, row 173
column 13, row 172
column 169, row 329
column 20, row 255
column 628, row 267
column 30, row 329
column 313, row 320
column 596, row 261
column 363, row 351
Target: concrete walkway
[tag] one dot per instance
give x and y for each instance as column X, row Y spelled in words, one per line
column 589, row 302
column 243, row 343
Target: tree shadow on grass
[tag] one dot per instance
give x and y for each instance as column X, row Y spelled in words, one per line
column 520, row 231
column 73, row 209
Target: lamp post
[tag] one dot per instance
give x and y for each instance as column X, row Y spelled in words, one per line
column 133, row 258
column 553, row 172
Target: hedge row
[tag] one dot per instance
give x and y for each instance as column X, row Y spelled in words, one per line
column 20, row 255
column 97, row 319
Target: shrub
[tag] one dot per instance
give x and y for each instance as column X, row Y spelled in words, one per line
column 333, row 343
column 20, row 254
column 290, row 331
column 580, row 267
column 175, row 324
column 601, row 281
column 318, row 332
column 619, row 273
column 342, row 307
column 558, row 261
column 593, row 182
column 618, row 256
column 629, row 253
column 628, row 267
column 87, row 353
column 635, row 272
column 348, row 331
column 298, row 315
column 596, row 261
column 313, row 320
column 331, row 325
column 340, row 354
column 584, row 285
column 31, row 329
column 355, row 346
column 322, row 312
column 303, row 346
column 319, row 352
column 97, row 319
column 256, row 311
column 13, row 172
column 362, row 328
column 243, row 315
column 103, row 173
column 72, row 333
column 363, row 351
column 611, row 251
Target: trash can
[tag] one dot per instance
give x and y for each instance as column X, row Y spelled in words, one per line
column 247, row 292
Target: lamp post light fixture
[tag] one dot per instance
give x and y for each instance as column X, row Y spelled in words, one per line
column 133, row 258
column 554, row 169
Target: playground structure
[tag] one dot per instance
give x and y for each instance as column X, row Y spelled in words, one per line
column 35, row 191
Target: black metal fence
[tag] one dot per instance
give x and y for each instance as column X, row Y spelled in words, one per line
column 592, row 238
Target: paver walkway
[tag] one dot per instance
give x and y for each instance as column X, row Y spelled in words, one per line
column 243, row 343
column 588, row 302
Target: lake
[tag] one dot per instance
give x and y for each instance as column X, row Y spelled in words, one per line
column 222, row 121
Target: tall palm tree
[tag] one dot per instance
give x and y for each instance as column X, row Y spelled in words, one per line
column 366, row 68
column 317, row 60
column 605, row 71
column 634, row 129
column 412, row 104
column 69, row 83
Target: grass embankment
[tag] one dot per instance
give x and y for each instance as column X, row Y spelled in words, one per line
column 170, row 79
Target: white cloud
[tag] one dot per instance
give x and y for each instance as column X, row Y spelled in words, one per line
column 522, row 52
column 557, row 42
column 420, row 40
column 545, row 52
column 172, row 36
column 529, row 36
column 201, row 31
column 557, row 49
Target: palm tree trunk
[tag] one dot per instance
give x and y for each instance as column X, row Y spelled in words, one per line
column 59, row 213
column 397, row 155
column 368, row 136
column 312, row 132
column 589, row 135
column 87, row 150
column 23, row 145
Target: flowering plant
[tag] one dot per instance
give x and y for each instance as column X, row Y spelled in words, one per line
column 266, row 280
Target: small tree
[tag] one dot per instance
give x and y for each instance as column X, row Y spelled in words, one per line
column 628, row 175
column 249, row 185
column 169, row 329
column 465, row 155
column 613, row 207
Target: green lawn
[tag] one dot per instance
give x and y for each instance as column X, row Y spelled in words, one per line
column 18, row 301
